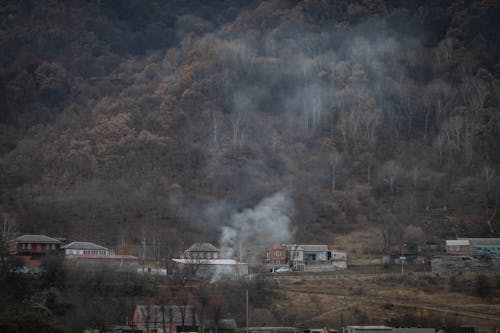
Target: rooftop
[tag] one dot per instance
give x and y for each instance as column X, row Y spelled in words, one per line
column 209, row 261
column 307, row 247
column 457, row 242
column 84, row 246
column 482, row 241
column 202, row 247
column 36, row 239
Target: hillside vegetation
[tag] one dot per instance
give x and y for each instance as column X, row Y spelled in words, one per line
column 131, row 122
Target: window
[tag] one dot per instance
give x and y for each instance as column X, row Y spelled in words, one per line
column 208, row 255
column 215, row 255
column 277, row 262
column 28, row 246
column 277, row 254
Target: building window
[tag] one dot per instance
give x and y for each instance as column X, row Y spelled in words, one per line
column 277, row 262
column 277, row 254
column 208, row 255
column 28, row 246
column 215, row 255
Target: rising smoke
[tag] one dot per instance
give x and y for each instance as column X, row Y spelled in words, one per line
column 269, row 221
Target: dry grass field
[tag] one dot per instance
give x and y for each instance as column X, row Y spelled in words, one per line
column 446, row 302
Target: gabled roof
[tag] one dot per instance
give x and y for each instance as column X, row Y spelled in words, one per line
column 36, row 239
column 314, row 248
column 202, row 247
column 482, row 241
column 457, row 242
column 155, row 314
column 307, row 247
column 84, row 246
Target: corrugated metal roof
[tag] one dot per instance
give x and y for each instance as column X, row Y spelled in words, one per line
column 36, row 239
column 84, row 246
column 457, row 242
column 483, row 241
column 314, row 248
column 307, row 247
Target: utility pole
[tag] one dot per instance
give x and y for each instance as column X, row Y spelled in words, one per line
column 402, row 259
column 247, row 310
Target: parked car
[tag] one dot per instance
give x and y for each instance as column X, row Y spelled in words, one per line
column 282, row 269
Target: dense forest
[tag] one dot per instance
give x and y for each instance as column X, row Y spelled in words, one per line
column 363, row 123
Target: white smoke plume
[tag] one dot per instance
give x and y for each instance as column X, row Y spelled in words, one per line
column 269, row 221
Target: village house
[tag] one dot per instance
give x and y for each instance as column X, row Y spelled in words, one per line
column 86, row 248
column 304, row 257
column 91, row 256
column 276, row 256
column 201, row 251
column 32, row 249
column 212, row 268
column 484, row 246
column 165, row 319
column 473, row 246
column 203, row 260
column 457, row 247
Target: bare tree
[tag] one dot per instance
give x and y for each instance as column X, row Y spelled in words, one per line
column 7, row 232
column 489, row 181
column 335, row 160
column 391, row 171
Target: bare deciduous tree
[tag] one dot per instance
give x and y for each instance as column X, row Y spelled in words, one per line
column 391, row 171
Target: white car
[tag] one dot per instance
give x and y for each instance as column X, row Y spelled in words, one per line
column 282, row 269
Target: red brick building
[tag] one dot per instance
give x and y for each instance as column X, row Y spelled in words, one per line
column 33, row 248
column 276, row 255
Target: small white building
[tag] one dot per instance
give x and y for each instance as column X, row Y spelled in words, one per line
column 86, row 248
column 213, row 268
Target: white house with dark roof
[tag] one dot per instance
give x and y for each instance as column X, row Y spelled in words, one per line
column 86, row 248
column 203, row 260
column 201, row 251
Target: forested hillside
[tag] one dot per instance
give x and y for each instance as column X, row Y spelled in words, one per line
column 131, row 122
